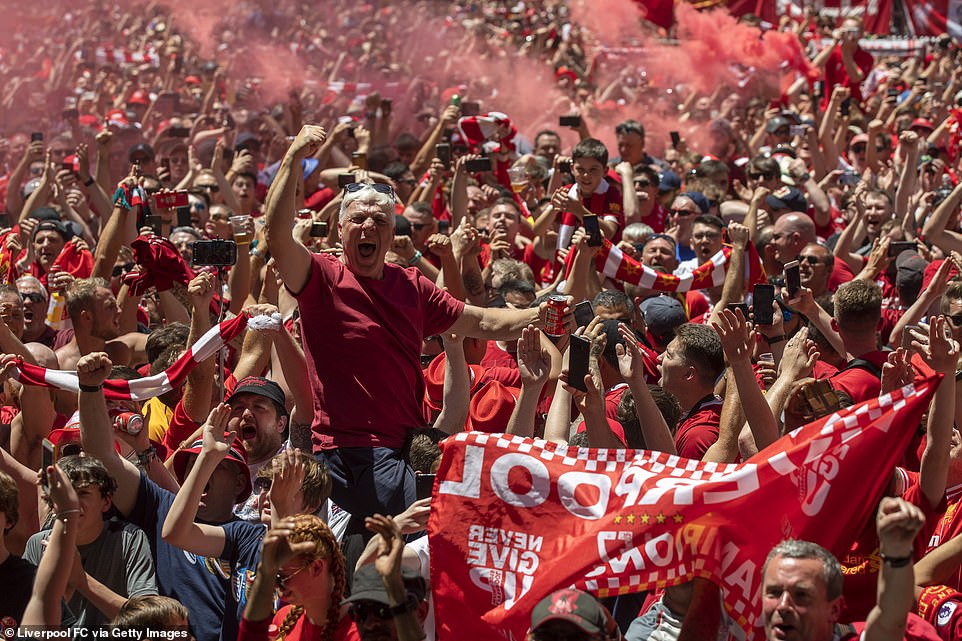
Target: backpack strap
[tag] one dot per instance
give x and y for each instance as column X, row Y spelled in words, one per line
column 861, row 363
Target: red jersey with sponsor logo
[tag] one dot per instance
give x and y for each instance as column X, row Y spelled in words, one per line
column 948, row 526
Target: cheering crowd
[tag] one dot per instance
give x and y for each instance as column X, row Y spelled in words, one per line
column 259, row 261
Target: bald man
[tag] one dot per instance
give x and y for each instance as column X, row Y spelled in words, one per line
column 791, row 233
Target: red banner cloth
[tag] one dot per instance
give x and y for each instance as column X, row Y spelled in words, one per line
column 513, row 519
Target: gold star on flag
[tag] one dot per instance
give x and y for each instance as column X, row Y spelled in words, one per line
column 678, row 518
column 645, row 518
column 660, row 518
column 631, row 267
column 617, row 519
column 630, row 518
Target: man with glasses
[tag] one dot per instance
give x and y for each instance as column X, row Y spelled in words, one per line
column 364, row 322
column 423, row 225
column 815, row 264
column 650, row 211
column 35, row 300
column 371, row 609
column 681, row 219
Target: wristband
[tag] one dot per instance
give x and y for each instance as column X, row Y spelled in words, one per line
column 145, row 457
column 89, row 181
column 62, row 516
column 896, row 561
column 91, row 388
column 772, row 340
column 415, row 258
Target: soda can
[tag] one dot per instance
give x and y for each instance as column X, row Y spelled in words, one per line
column 129, row 422
column 554, row 324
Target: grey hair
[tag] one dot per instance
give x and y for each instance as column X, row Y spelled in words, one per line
column 795, row 549
column 34, row 281
column 368, row 194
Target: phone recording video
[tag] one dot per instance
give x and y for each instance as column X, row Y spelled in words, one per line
column 216, row 253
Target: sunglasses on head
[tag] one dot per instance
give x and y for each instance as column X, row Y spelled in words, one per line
column 381, row 188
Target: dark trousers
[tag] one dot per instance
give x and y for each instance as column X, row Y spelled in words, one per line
column 369, row 480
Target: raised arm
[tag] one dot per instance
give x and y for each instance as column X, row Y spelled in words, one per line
column 179, row 528
column 53, row 573
column 936, row 229
column 534, row 363
column 97, row 432
column 942, row 355
column 898, row 524
column 738, row 341
column 291, row 259
column 654, row 429
column 457, row 386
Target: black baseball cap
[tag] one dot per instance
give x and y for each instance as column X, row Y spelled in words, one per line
column 369, row 586
column 262, row 387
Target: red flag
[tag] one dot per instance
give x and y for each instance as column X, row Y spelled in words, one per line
column 955, row 133
column 513, row 519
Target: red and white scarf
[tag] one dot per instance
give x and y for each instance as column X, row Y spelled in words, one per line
column 142, row 389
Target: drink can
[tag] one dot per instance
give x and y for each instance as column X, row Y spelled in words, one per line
column 554, row 324
column 129, row 422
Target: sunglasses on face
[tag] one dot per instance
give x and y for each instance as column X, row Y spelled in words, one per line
column 213, row 188
column 859, row 149
column 281, row 580
column 34, row 297
column 419, row 226
column 811, row 260
column 761, row 176
column 955, row 319
column 642, row 184
column 682, row 212
column 359, row 612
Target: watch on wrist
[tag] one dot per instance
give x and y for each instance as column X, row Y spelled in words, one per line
column 772, row 340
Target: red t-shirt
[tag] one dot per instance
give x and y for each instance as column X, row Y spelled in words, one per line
column 861, row 565
column 948, row 526
column 494, row 356
column 368, row 383
column 303, row 629
column 841, row 273
column 542, row 268
column 698, row 430
column 835, row 74
column 656, row 219
column 858, row 382
column 606, row 204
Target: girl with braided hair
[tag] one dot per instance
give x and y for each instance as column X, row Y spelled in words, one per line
column 301, row 558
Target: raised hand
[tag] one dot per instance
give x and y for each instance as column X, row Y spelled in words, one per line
column 737, row 335
column 898, row 524
column 93, row 368
column 215, row 441
column 630, row 359
column 534, row 362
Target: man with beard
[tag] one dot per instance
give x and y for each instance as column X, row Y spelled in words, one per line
column 95, row 316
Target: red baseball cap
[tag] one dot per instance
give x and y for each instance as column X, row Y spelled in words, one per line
column 434, row 381
column 237, row 455
column 139, row 97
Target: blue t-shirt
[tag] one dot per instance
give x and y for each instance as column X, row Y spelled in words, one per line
column 213, row 590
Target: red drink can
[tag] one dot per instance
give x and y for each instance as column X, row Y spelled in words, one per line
column 554, row 324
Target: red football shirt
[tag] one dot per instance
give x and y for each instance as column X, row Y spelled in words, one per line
column 858, row 382
column 698, row 430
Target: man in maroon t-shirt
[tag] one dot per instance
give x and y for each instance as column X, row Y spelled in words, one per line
column 858, row 308
column 689, row 367
column 364, row 322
